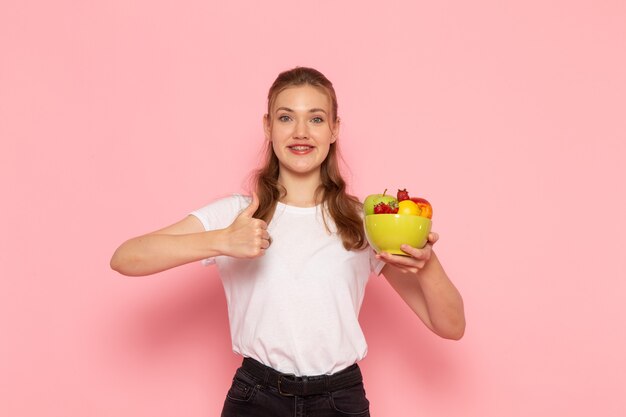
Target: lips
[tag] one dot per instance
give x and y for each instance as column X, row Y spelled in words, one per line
column 300, row 149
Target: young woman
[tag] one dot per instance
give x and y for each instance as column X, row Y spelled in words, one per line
column 294, row 262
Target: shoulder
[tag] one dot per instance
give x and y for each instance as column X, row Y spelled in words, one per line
column 230, row 202
column 221, row 212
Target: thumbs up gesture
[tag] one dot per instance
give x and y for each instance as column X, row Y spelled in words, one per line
column 247, row 237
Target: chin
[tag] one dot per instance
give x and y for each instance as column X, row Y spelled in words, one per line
column 299, row 169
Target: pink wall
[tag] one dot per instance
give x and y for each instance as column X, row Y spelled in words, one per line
column 119, row 117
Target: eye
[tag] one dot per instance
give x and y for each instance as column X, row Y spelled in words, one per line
column 284, row 118
column 317, row 119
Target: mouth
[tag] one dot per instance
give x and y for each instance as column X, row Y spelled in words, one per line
column 300, row 149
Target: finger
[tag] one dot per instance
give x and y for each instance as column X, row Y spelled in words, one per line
column 433, row 238
column 398, row 259
column 422, row 254
column 258, row 225
column 404, row 262
column 254, row 204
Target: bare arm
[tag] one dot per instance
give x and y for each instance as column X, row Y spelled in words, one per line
column 178, row 244
column 186, row 241
column 422, row 283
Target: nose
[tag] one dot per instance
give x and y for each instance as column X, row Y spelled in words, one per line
column 301, row 130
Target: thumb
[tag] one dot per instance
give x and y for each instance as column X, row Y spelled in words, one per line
column 433, row 238
column 254, row 204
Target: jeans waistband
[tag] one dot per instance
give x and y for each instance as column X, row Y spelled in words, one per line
column 291, row 385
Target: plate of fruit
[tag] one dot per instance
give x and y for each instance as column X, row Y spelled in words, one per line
column 392, row 221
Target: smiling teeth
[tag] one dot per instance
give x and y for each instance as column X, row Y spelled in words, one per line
column 300, row 148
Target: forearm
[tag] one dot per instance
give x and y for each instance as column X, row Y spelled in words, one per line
column 152, row 253
column 443, row 301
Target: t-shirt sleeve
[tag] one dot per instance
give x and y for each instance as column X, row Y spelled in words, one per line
column 220, row 214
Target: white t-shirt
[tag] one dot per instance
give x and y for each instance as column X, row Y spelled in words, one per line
column 296, row 308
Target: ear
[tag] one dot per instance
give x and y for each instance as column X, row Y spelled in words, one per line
column 267, row 128
column 335, row 130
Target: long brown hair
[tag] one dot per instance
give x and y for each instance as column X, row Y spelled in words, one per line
column 344, row 209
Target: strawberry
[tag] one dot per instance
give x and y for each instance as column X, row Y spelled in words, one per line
column 380, row 208
column 403, row 195
column 386, row 208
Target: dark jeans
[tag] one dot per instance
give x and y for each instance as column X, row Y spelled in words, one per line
column 252, row 396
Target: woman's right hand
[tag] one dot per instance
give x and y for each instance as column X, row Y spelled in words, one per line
column 247, row 237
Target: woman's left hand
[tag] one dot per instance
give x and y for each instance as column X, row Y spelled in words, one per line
column 417, row 258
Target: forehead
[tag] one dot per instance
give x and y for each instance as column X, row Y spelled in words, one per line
column 303, row 97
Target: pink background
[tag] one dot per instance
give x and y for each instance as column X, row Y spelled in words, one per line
column 119, row 117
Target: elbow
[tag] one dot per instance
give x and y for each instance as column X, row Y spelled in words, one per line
column 131, row 265
column 117, row 265
column 121, row 265
column 454, row 324
column 114, row 263
column 453, row 331
column 456, row 334
column 117, row 262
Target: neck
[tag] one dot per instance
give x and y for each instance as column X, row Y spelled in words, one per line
column 300, row 188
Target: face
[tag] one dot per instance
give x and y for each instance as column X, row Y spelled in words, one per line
column 301, row 129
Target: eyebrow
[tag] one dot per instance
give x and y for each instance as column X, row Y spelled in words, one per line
column 287, row 109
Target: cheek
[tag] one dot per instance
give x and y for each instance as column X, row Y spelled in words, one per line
column 274, row 147
column 326, row 151
column 279, row 132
